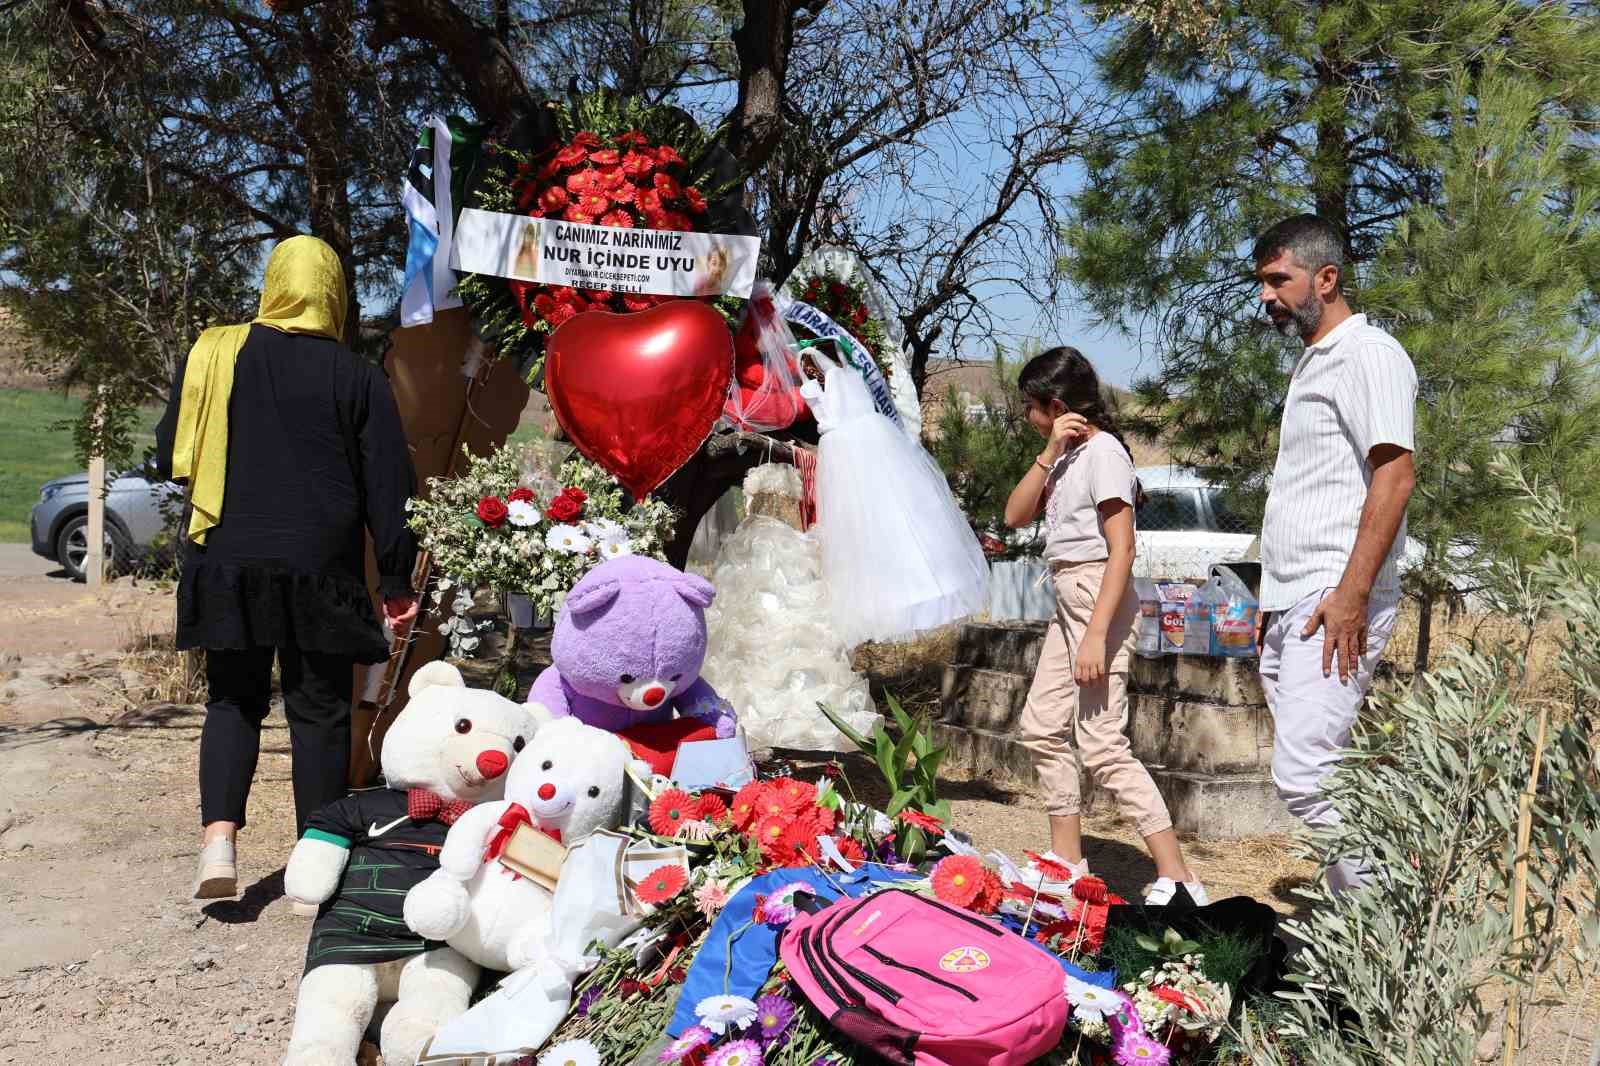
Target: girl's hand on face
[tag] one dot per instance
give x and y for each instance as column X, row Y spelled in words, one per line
column 1067, row 431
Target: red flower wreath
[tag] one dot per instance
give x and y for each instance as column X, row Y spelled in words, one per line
column 625, row 184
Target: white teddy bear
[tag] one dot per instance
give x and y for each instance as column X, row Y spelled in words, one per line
column 449, row 749
column 570, row 782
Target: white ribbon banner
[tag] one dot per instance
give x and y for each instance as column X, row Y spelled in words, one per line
column 854, row 352
column 548, row 251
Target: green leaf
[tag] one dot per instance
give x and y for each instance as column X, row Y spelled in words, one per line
column 899, row 801
column 861, row 742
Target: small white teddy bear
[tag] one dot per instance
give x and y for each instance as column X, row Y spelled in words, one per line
column 449, row 748
column 571, row 781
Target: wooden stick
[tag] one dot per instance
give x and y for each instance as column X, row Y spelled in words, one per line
column 1519, row 893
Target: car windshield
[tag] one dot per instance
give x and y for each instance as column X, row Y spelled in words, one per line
column 1170, row 510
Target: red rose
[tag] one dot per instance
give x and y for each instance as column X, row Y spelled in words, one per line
column 554, row 199
column 570, row 156
column 606, row 157
column 576, row 495
column 838, row 291
column 563, row 509
column 668, row 186
column 638, row 164
column 587, row 139
column 618, row 219
column 492, row 511
column 860, row 317
column 697, row 202
column 666, row 155
column 521, row 494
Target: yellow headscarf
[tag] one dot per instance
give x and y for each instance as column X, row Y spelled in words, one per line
column 303, row 293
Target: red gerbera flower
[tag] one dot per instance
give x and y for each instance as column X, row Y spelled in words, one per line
column 712, row 809
column 605, row 157
column 638, row 164
column 680, row 221
column 666, row 155
column 825, row 817
column 662, row 883
column 772, row 804
column 617, row 219
column 587, row 139
column 851, row 849
column 670, row 810
column 637, row 302
column 917, row 819
column 697, row 202
column 768, row 833
column 547, row 169
column 990, row 894
column 657, row 219
column 570, row 156
column 798, row 844
column 559, row 314
column 573, row 214
column 544, row 303
column 957, row 880
column 581, row 182
column 632, row 139
column 1090, row 889
column 623, row 194
column 1050, row 868
column 648, row 201
column 746, row 802
column 609, row 178
column 554, row 198
column 668, row 186
column 801, row 794
column 593, row 204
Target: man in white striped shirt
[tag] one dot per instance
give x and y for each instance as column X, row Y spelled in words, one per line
column 1336, row 515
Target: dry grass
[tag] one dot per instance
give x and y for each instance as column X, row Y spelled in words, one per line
column 1487, row 630
column 912, row 670
column 165, row 674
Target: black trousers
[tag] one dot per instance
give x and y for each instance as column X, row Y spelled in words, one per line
column 316, row 701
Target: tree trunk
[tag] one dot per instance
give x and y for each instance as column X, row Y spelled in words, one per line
column 327, row 38
column 1419, row 662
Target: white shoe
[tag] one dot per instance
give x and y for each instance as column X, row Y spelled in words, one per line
column 218, row 877
column 1160, row 894
column 1034, row 878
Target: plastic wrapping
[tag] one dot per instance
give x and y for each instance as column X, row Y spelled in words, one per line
column 772, row 652
column 765, row 395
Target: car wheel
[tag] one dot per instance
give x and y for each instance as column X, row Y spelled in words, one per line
column 72, row 548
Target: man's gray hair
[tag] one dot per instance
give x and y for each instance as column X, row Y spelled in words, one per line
column 1313, row 242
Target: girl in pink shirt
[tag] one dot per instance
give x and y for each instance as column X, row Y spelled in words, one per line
column 1083, row 484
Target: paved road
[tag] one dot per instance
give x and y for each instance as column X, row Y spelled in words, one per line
column 18, row 560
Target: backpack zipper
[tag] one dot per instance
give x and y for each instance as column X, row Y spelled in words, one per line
column 887, row 961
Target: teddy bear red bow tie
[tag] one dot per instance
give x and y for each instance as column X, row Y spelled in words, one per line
column 423, row 805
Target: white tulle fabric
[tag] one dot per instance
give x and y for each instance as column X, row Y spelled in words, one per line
column 897, row 553
column 771, row 649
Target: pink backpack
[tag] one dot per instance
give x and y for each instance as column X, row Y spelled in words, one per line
column 923, row 984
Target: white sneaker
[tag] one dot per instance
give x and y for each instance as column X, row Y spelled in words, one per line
column 218, row 878
column 1034, row 878
column 1160, row 894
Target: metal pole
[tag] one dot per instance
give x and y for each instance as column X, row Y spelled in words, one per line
column 94, row 563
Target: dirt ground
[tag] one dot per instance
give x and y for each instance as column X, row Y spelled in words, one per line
column 104, row 960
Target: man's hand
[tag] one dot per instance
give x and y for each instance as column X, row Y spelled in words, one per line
column 1343, row 615
column 397, row 609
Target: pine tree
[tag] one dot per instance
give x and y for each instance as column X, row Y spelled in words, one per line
column 1484, row 289
column 1361, row 112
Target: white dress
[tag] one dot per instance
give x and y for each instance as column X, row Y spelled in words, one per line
column 897, row 553
column 770, row 649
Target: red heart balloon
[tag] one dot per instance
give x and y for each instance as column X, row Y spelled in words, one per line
column 639, row 393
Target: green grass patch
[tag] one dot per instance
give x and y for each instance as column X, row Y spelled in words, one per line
column 35, row 446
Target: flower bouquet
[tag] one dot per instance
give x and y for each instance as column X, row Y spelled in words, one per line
column 496, row 526
column 607, row 162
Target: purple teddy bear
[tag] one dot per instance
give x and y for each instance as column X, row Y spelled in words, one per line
column 628, row 647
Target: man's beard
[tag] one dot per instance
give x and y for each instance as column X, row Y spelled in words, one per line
column 1302, row 320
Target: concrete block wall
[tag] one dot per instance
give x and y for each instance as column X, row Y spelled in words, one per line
column 1200, row 724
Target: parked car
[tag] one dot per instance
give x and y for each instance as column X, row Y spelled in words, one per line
column 137, row 511
column 1185, row 526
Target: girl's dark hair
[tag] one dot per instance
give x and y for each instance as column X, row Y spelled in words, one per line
column 1065, row 374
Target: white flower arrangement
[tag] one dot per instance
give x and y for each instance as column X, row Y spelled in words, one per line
column 1204, row 1007
column 778, row 478
column 488, row 529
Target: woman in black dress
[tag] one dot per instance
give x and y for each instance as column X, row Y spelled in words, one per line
column 291, row 447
